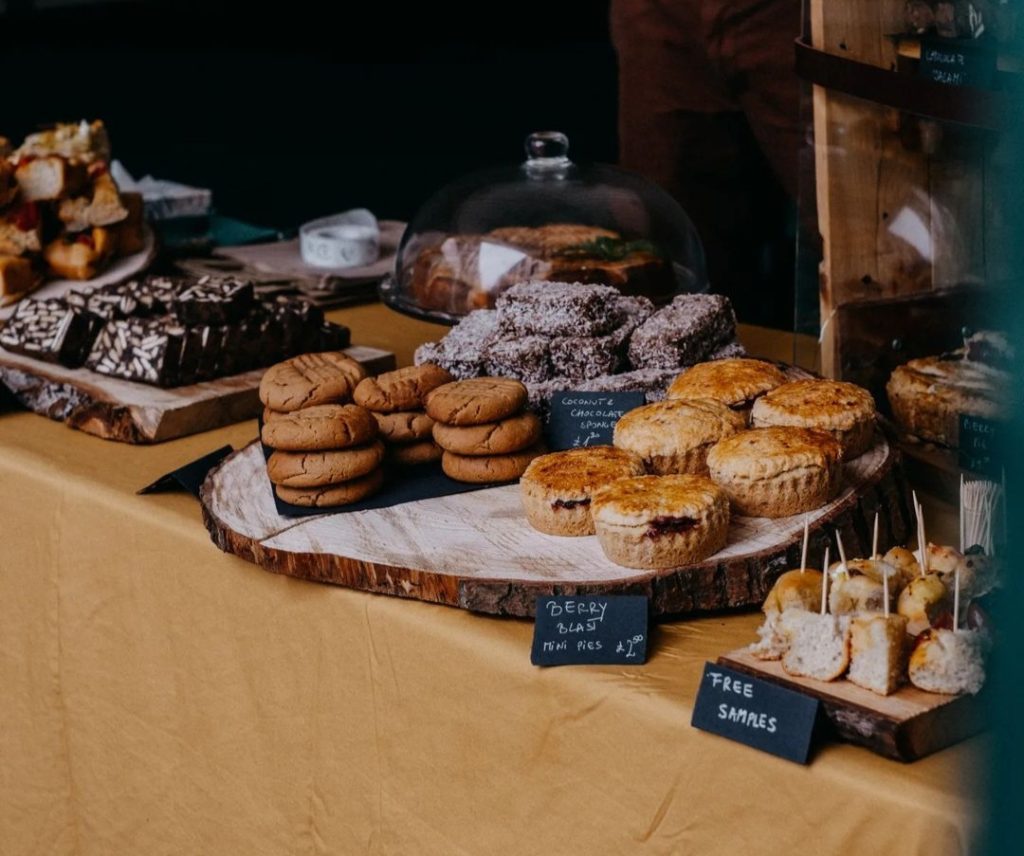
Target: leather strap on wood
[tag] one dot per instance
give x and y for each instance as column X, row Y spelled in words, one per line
column 983, row 108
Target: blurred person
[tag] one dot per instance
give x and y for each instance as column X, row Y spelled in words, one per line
column 709, row 109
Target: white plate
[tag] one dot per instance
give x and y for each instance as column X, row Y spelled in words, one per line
column 119, row 271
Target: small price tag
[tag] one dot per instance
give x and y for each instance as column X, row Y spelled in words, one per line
column 755, row 712
column 590, row 630
column 980, row 448
column 587, row 418
column 957, row 62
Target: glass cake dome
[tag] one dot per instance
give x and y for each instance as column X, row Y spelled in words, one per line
column 546, row 219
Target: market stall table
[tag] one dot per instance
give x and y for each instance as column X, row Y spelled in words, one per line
column 162, row 697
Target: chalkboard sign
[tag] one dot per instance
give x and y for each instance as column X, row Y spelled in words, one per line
column 957, row 62
column 755, row 712
column 590, row 630
column 191, row 476
column 980, row 449
column 587, row 418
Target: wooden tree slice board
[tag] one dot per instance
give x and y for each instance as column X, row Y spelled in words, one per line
column 476, row 551
column 136, row 412
column 906, row 725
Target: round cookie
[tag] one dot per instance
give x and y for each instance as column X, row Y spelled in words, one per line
column 326, row 426
column 674, row 436
column 333, row 495
column 660, row 521
column 492, row 438
column 310, row 379
column 484, row 469
column 556, row 488
column 843, row 409
column 476, row 401
column 317, row 469
column 271, row 415
column 411, row 454
column 737, row 383
column 406, row 426
column 777, row 472
column 403, row 389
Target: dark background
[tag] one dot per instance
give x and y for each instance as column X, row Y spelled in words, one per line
column 301, row 109
column 294, row 110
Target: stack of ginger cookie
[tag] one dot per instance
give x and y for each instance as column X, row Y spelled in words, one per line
column 326, row 450
column 484, row 429
column 395, row 400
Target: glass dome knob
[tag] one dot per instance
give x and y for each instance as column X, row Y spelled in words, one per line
column 547, row 151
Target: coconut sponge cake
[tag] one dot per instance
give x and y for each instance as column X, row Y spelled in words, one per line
column 660, row 521
column 556, row 489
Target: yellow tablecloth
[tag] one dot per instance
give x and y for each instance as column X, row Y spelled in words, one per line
column 159, row 697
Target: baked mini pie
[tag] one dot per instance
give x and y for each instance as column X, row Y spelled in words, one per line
column 843, row 409
column 674, row 436
column 777, row 472
column 556, row 488
column 928, row 395
column 660, row 521
column 737, row 383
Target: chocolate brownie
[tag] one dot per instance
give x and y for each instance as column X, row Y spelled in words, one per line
column 683, row 333
column 214, row 300
column 146, row 350
column 525, row 358
column 558, row 309
column 332, row 337
column 50, row 330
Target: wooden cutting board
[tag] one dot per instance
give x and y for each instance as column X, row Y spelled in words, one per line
column 136, row 412
column 906, row 725
column 476, row 551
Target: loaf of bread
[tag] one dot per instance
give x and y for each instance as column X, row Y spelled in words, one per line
column 79, row 257
column 921, row 601
column 49, row 178
column 851, row 594
column 792, row 590
column 947, row 661
column 878, row 652
column 16, row 277
column 102, row 206
column 819, row 645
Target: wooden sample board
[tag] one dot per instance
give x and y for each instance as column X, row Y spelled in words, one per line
column 128, row 412
column 906, row 725
column 476, row 550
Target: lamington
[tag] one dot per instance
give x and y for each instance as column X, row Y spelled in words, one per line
column 583, row 357
column 525, row 358
column 683, row 333
column 462, row 351
column 558, row 309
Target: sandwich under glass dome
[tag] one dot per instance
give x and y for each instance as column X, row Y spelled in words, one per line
column 546, row 219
